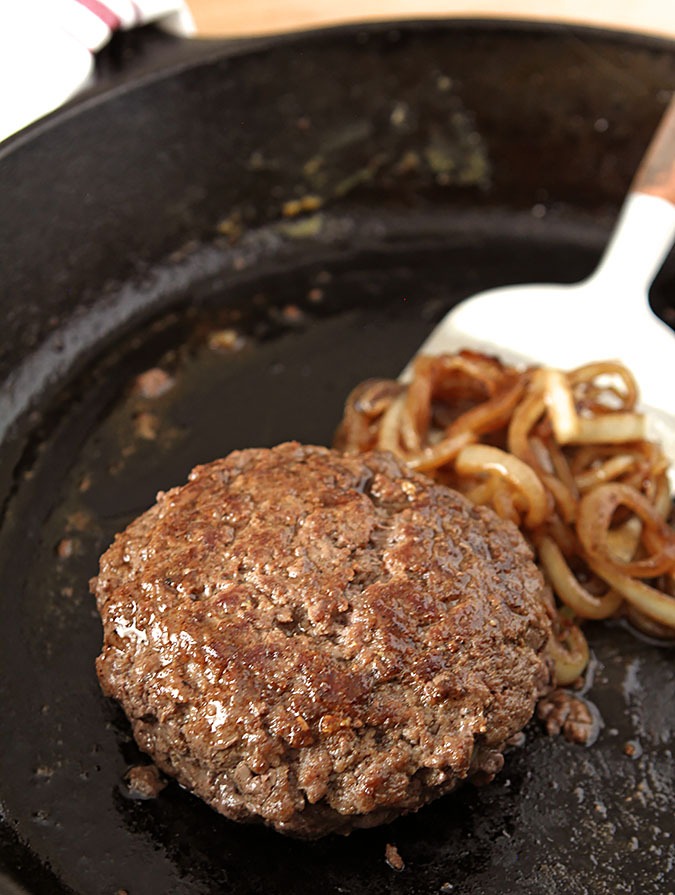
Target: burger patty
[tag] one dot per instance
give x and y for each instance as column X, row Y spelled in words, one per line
column 319, row 641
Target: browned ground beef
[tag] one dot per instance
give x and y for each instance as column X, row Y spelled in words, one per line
column 321, row 641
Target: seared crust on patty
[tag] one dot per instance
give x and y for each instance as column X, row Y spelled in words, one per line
column 320, row 641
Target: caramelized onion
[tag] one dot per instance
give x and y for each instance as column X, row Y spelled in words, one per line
column 504, row 504
column 563, row 455
column 651, row 602
column 441, row 453
column 594, row 518
column 388, row 435
column 570, row 654
column 418, row 403
column 560, row 403
column 524, row 418
column 470, row 373
column 624, row 539
column 490, row 415
column 614, row 428
column 569, row 588
column 482, row 458
column 590, row 372
column 648, row 625
column 563, row 535
column 611, row 469
column 564, row 498
column 365, row 404
column 562, row 469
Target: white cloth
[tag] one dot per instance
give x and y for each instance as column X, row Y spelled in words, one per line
column 47, row 48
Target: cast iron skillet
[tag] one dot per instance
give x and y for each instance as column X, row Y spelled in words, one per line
column 448, row 158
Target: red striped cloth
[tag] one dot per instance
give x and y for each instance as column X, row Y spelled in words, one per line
column 47, row 48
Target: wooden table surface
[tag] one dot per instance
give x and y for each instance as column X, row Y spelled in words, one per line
column 234, row 17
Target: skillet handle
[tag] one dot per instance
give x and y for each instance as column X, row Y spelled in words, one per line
column 656, row 174
column 645, row 232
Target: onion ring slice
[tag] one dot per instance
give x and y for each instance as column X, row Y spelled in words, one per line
column 589, row 372
column 560, row 404
column 441, row 453
column 648, row 600
column 594, row 517
column 491, row 414
column 611, row 469
column 388, row 435
column 483, row 458
column 570, row 654
column 612, row 428
column 569, row 589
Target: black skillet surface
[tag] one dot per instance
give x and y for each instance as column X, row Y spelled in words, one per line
column 443, row 155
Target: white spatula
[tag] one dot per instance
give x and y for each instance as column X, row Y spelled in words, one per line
column 604, row 317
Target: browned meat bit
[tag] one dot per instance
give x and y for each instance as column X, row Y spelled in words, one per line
column 304, row 638
column 486, row 764
column 225, row 340
column 144, row 781
column 633, row 749
column 292, row 314
column 146, row 425
column 293, row 207
column 564, row 713
column 65, row 548
column 392, row 857
column 153, row 383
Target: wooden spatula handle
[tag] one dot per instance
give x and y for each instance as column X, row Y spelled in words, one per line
column 656, row 174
